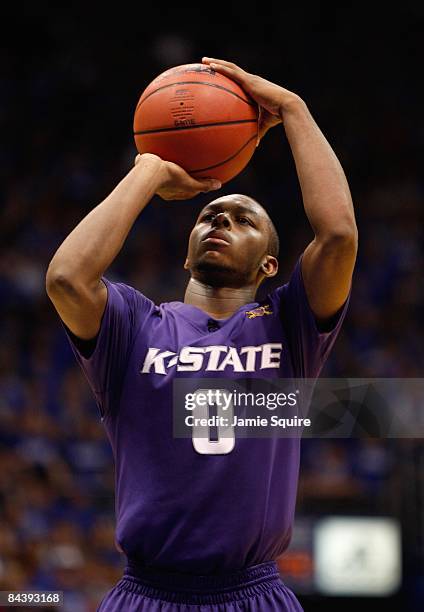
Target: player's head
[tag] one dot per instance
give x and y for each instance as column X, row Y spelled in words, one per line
column 249, row 253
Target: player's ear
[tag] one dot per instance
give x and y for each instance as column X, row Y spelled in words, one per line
column 269, row 266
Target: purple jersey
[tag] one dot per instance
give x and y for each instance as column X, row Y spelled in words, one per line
column 178, row 509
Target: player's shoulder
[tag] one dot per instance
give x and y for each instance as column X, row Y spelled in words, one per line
column 264, row 308
column 276, row 294
column 293, row 283
column 120, row 292
column 177, row 309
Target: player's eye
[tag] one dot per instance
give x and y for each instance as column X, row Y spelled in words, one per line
column 244, row 221
column 207, row 216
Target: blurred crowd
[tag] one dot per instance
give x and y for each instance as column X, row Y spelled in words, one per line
column 64, row 148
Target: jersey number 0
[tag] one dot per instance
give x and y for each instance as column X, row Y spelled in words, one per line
column 201, row 434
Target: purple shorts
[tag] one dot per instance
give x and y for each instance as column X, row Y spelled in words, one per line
column 255, row 589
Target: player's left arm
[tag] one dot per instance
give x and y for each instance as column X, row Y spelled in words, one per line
column 328, row 261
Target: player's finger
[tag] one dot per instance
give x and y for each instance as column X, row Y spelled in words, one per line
column 265, row 123
column 235, row 75
column 205, row 185
column 260, row 122
column 213, row 60
column 228, row 69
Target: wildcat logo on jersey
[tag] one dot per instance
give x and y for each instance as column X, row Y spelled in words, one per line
column 213, row 358
column 259, row 312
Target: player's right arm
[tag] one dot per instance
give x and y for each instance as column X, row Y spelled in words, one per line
column 73, row 280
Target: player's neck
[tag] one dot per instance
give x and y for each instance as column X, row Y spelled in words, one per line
column 217, row 302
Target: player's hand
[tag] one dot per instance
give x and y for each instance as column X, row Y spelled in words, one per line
column 272, row 99
column 174, row 183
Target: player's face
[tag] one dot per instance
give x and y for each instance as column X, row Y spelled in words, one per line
column 229, row 243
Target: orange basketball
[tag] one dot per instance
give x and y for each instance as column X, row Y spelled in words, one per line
column 198, row 119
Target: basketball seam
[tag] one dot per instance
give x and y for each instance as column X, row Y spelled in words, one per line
column 195, row 83
column 228, row 159
column 193, row 127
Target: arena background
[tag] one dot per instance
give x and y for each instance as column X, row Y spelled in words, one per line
column 69, row 82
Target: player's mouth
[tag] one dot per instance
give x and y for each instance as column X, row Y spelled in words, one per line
column 216, row 237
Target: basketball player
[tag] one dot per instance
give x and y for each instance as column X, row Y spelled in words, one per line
column 201, row 528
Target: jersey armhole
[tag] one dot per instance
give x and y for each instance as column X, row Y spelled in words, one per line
column 85, row 347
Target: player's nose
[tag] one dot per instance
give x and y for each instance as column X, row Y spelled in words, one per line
column 221, row 219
